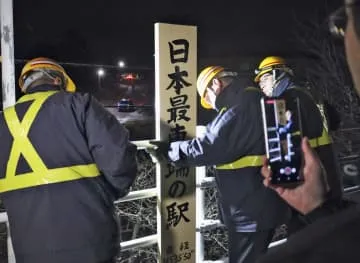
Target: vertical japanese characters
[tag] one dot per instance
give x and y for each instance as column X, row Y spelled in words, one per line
column 178, row 55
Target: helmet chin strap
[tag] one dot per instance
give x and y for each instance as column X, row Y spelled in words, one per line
column 274, row 78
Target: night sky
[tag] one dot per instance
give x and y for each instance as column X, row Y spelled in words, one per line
column 105, row 31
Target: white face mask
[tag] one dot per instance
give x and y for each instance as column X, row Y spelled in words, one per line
column 211, row 97
column 266, row 84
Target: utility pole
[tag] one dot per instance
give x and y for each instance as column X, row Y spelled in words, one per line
column 8, row 77
column 7, row 53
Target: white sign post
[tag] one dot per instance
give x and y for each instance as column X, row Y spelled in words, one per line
column 175, row 99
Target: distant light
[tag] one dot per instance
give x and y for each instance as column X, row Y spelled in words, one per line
column 121, row 64
column 129, row 76
column 101, row 72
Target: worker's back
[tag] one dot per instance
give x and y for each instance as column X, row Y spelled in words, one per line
column 69, row 161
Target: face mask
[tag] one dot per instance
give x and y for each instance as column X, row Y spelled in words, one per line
column 211, row 96
column 266, row 84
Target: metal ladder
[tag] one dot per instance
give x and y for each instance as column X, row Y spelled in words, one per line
column 275, row 152
column 289, row 148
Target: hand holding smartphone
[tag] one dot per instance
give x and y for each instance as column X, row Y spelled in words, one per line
column 283, row 134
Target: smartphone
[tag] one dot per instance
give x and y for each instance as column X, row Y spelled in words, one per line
column 283, row 134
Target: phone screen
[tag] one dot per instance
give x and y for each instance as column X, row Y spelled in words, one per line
column 283, row 133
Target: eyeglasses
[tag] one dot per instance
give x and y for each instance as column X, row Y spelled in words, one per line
column 338, row 20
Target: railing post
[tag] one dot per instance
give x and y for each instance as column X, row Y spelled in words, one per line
column 10, row 250
column 8, row 77
column 7, row 53
column 200, row 202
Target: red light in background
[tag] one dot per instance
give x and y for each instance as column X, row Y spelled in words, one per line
column 129, row 77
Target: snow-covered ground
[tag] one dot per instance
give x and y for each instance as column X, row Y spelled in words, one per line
column 140, row 124
column 124, row 117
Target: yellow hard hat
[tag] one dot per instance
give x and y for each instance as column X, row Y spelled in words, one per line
column 203, row 81
column 268, row 64
column 45, row 64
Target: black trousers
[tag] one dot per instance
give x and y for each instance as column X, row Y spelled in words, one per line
column 247, row 247
column 295, row 223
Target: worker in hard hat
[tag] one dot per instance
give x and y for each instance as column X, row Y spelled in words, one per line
column 271, row 74
column 276, row 79
column 64, row 160
column 234, row 143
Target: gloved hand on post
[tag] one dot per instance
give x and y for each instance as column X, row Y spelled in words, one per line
column 160, row 152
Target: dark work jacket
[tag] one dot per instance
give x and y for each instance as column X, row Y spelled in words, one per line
column 313, row 125
column 72, row 221
column 333, row 238
column 236, row 132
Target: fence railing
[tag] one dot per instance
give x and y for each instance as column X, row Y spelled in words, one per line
column 203, row 224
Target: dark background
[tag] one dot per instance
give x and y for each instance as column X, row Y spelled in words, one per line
column 106, row 31
column 86, row 35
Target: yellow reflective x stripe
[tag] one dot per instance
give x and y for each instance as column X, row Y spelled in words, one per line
column 21, row 145
column 247, row 161
column 37, row 96
column 50, row 176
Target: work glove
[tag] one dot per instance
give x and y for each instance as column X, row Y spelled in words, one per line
column 160, row 152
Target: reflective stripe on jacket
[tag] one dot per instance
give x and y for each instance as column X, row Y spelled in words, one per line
column 22, row 146
column 315, row 128
column 236, row 134
column 64, row 160
column 257, row 160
